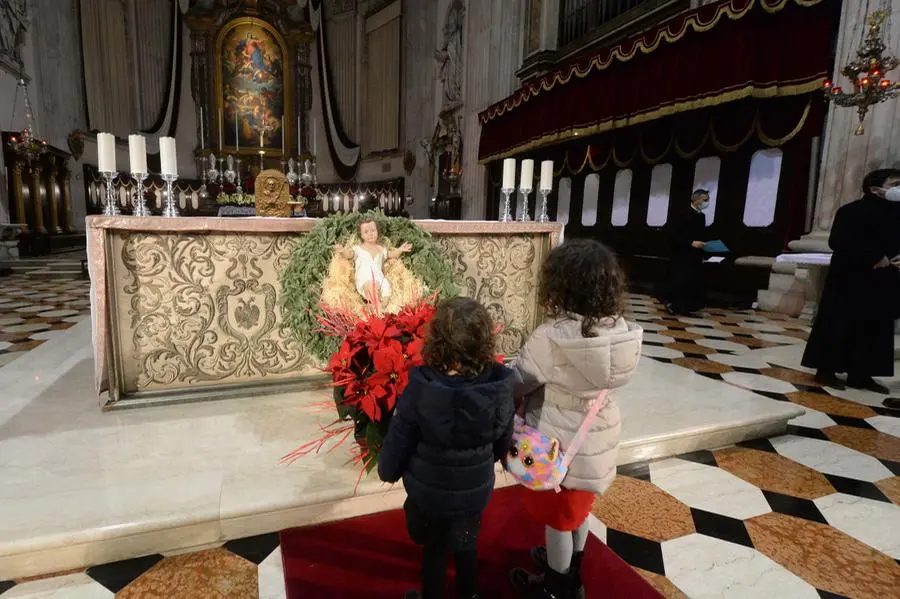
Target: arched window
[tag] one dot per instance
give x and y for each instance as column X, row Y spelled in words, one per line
column 660, row 189
column 621, row 198
column 563, row 200
column 591, row 198
column 762, row 188
column 706, row 176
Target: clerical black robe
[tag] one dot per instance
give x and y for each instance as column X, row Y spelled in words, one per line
column 854, row 327
column 686, row 289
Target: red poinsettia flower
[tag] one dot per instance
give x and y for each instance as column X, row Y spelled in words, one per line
column 413, row 353
column 367, row 395
column 377, row 330
column 341, row 360
column 391, row 372
column 414, row 318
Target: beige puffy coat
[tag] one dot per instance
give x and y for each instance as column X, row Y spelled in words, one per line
column 559, row 373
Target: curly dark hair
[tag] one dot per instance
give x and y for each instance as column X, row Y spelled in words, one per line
column 582, row 278
column 460, row 337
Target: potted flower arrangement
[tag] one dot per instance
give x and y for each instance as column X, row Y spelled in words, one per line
column 369, row 371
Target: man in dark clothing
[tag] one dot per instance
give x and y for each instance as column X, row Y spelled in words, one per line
column 686, row 289
column 854, row 327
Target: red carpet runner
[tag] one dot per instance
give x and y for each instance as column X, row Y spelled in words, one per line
column 372, row 557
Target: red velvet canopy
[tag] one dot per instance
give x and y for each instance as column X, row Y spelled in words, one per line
column 722, row 52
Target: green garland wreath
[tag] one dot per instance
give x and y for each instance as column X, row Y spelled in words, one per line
column 301, row 281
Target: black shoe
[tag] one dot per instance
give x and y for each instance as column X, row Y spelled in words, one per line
column 828, row 379
column 867, row 383
column 891, row 403
column 539, row 556
column 550, row 585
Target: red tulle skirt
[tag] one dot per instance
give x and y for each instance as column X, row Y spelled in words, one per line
column 565, row 511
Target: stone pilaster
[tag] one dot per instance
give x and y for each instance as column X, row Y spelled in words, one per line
column 846, row 157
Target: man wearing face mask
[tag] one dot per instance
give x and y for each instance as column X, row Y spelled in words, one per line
column 854, row 327
column 686, row 289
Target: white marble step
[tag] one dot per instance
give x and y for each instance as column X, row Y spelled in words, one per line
column 80, row 487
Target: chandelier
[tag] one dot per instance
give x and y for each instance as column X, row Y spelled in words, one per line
column 25, row 144
column 867, row 73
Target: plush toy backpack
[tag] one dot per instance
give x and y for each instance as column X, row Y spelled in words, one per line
column 536, row 460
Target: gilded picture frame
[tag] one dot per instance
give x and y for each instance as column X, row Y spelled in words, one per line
column 252, row 84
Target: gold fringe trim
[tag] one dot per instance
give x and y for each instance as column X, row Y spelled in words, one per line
column 756, row 127
column 750, row 91
column 622, row 54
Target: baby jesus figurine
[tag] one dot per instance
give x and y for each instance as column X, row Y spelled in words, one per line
column 369, row 258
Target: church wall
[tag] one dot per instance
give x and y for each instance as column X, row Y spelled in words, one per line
column 8, row 93
column 493, row 52
column 421, row 28
column 58, row 69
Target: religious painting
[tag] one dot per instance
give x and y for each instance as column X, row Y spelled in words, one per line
column 252, row 79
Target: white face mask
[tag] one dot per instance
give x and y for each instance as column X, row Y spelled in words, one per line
column 893, row 194
column 703, row 205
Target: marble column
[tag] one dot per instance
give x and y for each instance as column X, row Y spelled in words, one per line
column 846, row 157
column 420, row 99
column 493, row 52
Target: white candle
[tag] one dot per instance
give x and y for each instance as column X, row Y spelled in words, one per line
column 106, row 153
column 167, row 157
column 527, row 180
column 237, row 134
column 137, row 153
column 202, row 141
column 262, row 141
column 283, row 148
column 547, row 175
column 509, row 173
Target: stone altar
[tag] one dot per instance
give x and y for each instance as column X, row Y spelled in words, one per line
column 190, row 308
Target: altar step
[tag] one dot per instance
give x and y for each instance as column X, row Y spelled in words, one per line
column 81, row 487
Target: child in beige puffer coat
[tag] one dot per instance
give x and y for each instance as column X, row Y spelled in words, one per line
column 584, row 348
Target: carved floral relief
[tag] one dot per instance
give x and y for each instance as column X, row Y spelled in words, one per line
column 502, row 274
column 203, row 309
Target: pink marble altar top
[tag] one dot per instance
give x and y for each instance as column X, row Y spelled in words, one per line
column 302, row 225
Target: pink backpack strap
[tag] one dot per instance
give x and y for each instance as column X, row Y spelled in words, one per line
column 598, row 404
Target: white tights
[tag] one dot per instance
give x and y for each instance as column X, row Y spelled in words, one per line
column 562, row 545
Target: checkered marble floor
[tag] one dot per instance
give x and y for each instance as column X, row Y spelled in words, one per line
column 242, row 569
column 812, row 513
column 40, row 299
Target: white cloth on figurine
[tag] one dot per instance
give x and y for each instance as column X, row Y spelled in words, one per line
column 369, row 269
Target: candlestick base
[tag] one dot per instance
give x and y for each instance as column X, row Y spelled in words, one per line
column 544, row 217
column 170, row 208
column 138, row 205
column 505, row 215
column 524, row 216
column 110, row 206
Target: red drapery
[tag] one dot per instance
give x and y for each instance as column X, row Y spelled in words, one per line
column 719, row 53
